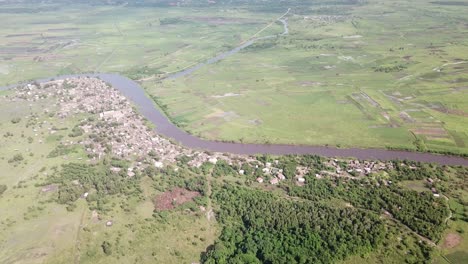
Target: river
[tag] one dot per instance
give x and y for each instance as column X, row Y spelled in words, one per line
column 147, row 108
column 134, row 92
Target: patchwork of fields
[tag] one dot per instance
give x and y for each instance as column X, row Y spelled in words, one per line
column 360, row 76
column 369, row 74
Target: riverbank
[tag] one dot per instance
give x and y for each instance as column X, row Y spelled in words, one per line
column 135, row 93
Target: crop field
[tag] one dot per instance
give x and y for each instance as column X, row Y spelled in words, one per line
column 139, row 42
column 368, row 74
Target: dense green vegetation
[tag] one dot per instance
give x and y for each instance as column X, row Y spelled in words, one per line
column 421, row 212
column 261, row 227
column 75, row 179
column 349, row 73
column 3, row 188
column 61, row 150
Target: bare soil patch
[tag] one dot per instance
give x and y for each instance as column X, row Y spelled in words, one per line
column 50, row 188
column 221, row 20
column 452, row 111
column 452, row 240
column 255, row 122
column 171, row 199
column 407, row 118
column 63, row 29
column 430, row 131
column 309, row 83
column 227, row 116
column 262, row 102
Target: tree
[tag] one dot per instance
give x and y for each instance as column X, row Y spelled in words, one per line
column 3, row 188
column 107, row 248
column 15, row 120
column 16, row 158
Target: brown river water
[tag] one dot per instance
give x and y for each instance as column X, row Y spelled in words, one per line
column 134, row 92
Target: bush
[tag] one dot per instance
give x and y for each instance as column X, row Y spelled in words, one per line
column 16, row 158
column 3, row 188
column 76, row 132
column 61, row 150
column 15, row 120
column 106, row 248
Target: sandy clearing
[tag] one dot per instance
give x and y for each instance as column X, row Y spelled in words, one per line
column 169, row 200
column 352, row 37
column 452, row 240
column 226, row 95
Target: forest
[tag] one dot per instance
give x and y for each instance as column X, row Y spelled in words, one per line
column 261, row 227
column 420, row 211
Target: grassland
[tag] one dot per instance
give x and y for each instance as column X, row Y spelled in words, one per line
column 64, row 39
column 366, row 74
column 34, row 228
column 371, row 75
column 116, row 221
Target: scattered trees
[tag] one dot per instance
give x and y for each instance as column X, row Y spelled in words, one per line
column 16, row 158
column 76, row 132
column 15, row 120
column 3, row 188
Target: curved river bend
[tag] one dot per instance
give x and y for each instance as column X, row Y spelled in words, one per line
column 147, row 108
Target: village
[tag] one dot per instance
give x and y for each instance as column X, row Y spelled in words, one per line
column 118, row 129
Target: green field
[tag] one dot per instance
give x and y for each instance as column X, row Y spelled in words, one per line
column 34, row 228
column 364, row 77
column 61, row 202
column 369, row 73
column 357, row 73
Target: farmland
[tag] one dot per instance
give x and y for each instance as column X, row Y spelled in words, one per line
column 85, row 178
column 356, row 74
column 352, row 77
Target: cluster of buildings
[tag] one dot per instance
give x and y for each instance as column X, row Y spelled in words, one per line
column 276, row 175
column 119, row 130
column 353, row 168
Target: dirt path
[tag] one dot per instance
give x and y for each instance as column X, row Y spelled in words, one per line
column 209, row 207
column 105, row 60
column 250, row 41
column 77, row 249
column 29, row 172
column 438, row 69
column 427, row 240
column 450, row 210
column 269, row 25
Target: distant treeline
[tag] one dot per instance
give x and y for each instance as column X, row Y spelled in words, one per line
column 257, row 5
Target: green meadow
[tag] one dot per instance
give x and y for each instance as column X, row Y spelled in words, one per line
column 370, row 74
column 34, row 228
column 362, row 73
